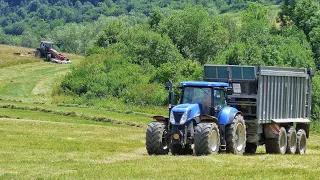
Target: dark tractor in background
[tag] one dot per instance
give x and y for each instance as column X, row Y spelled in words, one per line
column 47, row 51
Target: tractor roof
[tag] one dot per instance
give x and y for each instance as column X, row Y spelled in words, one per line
column 47, row 42
column 203, row 84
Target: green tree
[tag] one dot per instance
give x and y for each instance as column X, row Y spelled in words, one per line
column 154, row 20
column 110, row 34
column 315, row 41
column 144, row 46
column 195, row 34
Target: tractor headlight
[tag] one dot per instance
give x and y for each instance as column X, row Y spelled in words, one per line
column 183, row 118
column 172, row 121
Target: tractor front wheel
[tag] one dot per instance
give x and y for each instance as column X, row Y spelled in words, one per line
column 156, row 138
column 206, row 139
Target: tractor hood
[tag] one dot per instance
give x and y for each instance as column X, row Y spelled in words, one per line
column 183, row 113
column 52, row 50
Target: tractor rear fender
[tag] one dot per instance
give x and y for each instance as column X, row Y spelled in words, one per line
column 160, row 118
column 227, row 114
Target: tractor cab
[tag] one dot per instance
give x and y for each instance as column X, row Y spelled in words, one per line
column 210, row 98
column 199, row 124
column 199, row 98
column 46, row 45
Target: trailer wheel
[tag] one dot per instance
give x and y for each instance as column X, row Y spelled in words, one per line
column 301, row 142
column 251, row 148
column 236, row 136
column 206, row 139
column 156, row 138
column 291, row 141
column 277, row 145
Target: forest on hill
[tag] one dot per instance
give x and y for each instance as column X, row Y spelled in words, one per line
column 25, row 23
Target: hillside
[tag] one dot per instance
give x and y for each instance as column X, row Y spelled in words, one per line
column 25, row 23
column 63, row 141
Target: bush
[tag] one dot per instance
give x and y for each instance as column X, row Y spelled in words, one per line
column 146, row 94
column 145, row 46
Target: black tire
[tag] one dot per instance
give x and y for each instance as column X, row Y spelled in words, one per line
column 236, row 136
column 277, row 145
column 206, row 139
column 301, row 142
column 38, row 54
column 291, row 141
column 251, row 148
column 156, row 138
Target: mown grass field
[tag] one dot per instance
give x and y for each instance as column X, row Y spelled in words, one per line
column 41, row 140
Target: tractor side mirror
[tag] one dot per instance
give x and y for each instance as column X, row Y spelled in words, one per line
column 58, row 44
column 171, row 94
column 229, row 91
column 168, row 85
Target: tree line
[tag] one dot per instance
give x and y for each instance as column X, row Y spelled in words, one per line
column 25, row 22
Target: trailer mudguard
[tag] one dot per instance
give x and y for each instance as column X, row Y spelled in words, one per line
column 227, row 114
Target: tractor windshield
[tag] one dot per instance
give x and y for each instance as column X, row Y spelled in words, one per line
column 203, row 96
column 199, row 95
column 49, row 46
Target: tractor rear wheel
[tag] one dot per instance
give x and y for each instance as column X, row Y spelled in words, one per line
column 236, row 136
column 291, row 141
column 38, row 54
column 206, row 139
column 301, row 142
column 156, row 138
column 277, row 145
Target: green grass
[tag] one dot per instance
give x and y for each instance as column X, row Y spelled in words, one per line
column 65, row 149
column 7, row 57
column 31, row 81
column 42, row 149
column 89, row 112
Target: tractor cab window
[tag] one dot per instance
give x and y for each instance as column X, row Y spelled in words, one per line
column 219, row 98
column 199, row 95
column 46, row 46
column 49, row 46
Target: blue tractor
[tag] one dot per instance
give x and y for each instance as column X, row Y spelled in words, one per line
column 201, row 124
